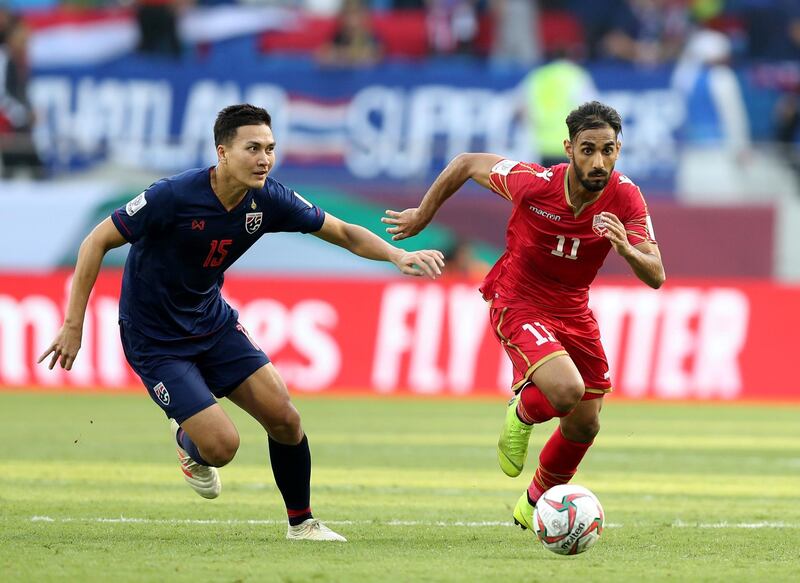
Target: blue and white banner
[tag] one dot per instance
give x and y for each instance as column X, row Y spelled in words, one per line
column 396, row 122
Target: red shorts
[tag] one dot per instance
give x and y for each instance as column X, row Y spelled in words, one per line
column 531, row 338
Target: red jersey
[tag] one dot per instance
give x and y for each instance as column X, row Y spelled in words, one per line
column 552, row 254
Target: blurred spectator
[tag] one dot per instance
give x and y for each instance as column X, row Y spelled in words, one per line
column 158, row 27
column 787, row 109
column 17, row 150
column 597, row 19
column 550, row 93
column 452, row 26
column 706, row 10
column 353, row 43
column 787, row 128
column 638, row 31
column 462, row 262
column 714, row 99
column 649, row 31
column 516, row 26
column 773, row 28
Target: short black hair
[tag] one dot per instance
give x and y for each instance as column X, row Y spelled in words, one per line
column 234, row 116
column 591, row 116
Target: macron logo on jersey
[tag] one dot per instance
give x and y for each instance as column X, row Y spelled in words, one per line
column 545, row 174
column 545, row 214
column 135, row 205
column 624, row 179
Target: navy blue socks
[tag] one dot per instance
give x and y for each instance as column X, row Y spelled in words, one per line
column 291, row 465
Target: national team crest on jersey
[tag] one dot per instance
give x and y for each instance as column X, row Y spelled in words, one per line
column 162, row 393
column 252, row 222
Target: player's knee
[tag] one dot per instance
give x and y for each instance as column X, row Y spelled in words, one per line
column 286, row 427
column 585, row 432
column 566, row 396
column 221, row 450
column 583, row 428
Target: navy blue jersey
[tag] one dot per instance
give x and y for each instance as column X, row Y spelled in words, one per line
column 182, row 240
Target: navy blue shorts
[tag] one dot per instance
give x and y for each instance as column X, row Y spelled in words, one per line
column 183, row 377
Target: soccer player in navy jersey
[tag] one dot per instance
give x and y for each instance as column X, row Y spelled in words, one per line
column 179, row 334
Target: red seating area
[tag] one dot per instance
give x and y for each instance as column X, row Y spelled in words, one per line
column 404, row 34
column 64, row 15
column 401, row 33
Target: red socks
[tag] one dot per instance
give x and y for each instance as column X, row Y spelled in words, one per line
column 533, row 406
column 558, row 462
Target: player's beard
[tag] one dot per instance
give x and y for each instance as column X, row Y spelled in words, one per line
column 587, row 182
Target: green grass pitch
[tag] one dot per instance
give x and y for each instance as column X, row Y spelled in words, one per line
column 90, row 491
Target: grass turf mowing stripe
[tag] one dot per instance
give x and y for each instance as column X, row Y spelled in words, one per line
column 479, row 524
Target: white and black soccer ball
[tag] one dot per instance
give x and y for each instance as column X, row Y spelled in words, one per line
column 568, row 519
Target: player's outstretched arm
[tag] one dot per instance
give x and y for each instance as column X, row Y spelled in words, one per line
column 103, row 238
column 644, row 258
column 411, row 221
column 364, row 243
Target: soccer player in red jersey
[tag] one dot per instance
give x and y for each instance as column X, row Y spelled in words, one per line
column 565, row 219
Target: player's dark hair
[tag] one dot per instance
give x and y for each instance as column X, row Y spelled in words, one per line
column 234, row 116
column 591, row 116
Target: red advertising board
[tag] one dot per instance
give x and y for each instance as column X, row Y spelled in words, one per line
column 690, row 340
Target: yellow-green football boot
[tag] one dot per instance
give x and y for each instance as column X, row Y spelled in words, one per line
column 523, row 513
column 512, row 447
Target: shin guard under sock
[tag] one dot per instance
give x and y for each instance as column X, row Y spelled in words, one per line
column 558, row 462
column 291, row 465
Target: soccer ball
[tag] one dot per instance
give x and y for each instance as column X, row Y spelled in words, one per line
column 568, row 519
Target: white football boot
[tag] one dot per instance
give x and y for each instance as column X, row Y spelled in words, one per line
column 313, row 529
column 203, row 479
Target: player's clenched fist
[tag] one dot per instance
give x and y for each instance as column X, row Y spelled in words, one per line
column 64, row 347
column 426, row 262
column 406, row 223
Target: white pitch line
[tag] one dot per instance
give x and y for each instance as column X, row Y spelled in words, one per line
column 765, row 524
column 128, row 520
column 442, row 523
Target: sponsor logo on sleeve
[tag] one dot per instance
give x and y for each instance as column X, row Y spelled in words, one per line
column 135, row 205
column 252, row 222
column 503, row 167
column 162, row 393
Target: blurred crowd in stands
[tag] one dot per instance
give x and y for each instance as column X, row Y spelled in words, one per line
column 17, row 150
column 522, row 33
column 638, row 31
